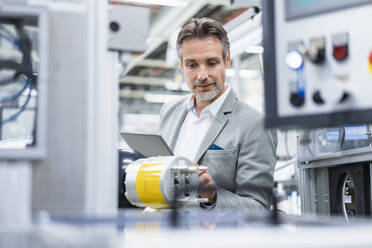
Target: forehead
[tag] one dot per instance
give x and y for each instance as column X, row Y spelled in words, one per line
column 199, row 49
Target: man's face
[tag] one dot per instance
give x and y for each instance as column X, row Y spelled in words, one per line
column 204, row 67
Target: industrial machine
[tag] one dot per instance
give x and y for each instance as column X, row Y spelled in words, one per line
column 23, row 105
column 318, row 62
column 163, row 182
column 58, row 87
column 23, row 80
column 335, row 171
column 318, row 74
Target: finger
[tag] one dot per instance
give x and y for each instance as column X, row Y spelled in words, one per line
column 202, row 172
column 207, row 190
column 203, row 180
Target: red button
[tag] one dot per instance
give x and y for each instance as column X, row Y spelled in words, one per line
column 340, row 53
column 370, row 62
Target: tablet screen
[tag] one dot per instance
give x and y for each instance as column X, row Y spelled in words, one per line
column 149, row 145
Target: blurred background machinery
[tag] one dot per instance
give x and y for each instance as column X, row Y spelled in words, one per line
column 335, row 171
column 23, row 105
column 317, row 63
column 24, row 79
column 317, row 75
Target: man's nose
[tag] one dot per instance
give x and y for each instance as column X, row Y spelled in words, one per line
column 203, row 73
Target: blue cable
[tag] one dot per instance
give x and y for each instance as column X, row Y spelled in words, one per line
column 7, row 35
column 16, row 95
column 309, row 150
column 22, row 108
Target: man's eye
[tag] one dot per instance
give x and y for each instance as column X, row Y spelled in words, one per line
column 212, row 63
column 191, row 65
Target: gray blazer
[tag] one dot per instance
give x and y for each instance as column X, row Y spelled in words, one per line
column 245, row 167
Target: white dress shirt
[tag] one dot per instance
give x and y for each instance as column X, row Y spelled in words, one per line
column 194, row 128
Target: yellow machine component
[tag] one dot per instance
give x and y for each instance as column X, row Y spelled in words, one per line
column 156, row 182
column 370, row 62
column 148, row 185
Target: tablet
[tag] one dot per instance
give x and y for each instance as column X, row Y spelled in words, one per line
column 149, row 145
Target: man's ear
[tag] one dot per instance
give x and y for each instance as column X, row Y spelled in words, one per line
column 228, row 60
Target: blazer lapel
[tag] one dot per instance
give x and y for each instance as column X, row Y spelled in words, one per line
column 217, row 125
column 179, row 117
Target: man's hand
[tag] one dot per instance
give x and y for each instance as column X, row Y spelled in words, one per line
column 207, row 187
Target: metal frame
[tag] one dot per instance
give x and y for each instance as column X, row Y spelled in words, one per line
column 270, row 82
column 314, row 180
column 338, row 158
column 307, row 191
column 314, row 191
column 37, row 151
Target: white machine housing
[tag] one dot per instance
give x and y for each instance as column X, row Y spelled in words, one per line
column 334, row 81
column 125, row 21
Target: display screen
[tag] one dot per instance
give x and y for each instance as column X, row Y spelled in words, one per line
column 302, row 8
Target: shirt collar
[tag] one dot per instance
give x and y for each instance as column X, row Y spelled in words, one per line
column 212, row 108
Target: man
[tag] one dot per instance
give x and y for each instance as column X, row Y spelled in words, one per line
column 213, row 128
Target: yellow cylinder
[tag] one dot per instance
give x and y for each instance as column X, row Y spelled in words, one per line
column 148, row 185
column 157, row 181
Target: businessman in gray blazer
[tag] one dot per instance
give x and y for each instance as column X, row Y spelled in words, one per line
column 212, row 127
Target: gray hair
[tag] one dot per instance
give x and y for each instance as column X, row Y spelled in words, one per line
column 202, row 28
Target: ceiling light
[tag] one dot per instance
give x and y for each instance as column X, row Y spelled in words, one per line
column 243, row 73
column 249, row 74
column 253, row 38
column 255, row 49
column 170, row 85
column 159, row 98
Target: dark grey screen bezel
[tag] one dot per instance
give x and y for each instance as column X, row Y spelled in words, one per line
column 292, row 13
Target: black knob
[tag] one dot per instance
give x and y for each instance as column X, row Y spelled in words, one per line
column 296, row 100
column 316, row 52
column 176, row 181
column 317, row 98
column 114, row 26
column 319, row 58
column 344, row 97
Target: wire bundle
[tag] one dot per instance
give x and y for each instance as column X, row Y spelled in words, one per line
column 21, row 70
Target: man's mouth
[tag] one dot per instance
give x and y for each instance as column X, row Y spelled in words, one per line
column 203, row 86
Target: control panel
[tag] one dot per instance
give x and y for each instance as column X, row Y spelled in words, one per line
column 318, row 62
column 24, row 70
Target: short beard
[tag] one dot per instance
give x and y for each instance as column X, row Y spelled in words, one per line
column 207, row 96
